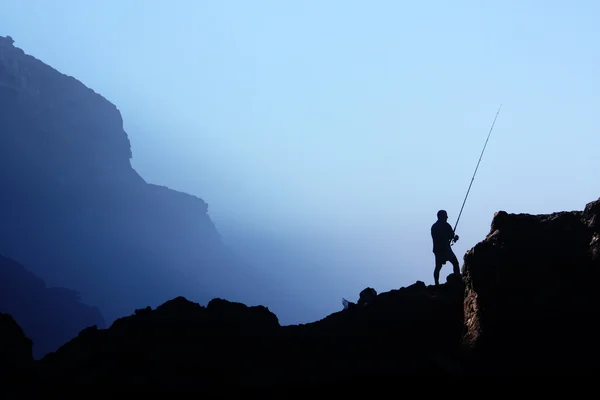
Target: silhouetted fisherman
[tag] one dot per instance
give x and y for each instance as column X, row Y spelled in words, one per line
column 442, row 235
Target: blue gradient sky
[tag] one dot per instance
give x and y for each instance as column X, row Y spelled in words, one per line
column 348, row 121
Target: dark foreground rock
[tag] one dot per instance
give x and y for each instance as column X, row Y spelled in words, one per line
column 526, row 306
column 15, row 347
column 16, row 362
column 183, row 346
column 531, row 303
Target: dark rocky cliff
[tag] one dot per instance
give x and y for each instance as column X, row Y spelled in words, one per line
column 76, row 213
column 15, row 356
column 525, row 305
column 49, row 316
column 531, row 304
column 228, row 348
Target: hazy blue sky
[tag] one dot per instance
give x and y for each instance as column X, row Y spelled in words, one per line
column 342, row 118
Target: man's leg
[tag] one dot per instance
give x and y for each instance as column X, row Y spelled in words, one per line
column 455, row 265
column 436, row 271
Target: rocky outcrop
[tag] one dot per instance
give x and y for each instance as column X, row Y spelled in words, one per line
column 15, row 347
column 16, row 362
column 591, row 218
column 184, row 346
column 526, row 305
column 531, row 303
column 50, row 317
column 78, row 215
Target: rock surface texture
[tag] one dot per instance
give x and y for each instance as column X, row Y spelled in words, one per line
column 531, row 302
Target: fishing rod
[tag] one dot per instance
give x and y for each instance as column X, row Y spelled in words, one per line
column 477, row 167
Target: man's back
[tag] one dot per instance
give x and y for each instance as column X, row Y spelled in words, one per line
column 441, row 233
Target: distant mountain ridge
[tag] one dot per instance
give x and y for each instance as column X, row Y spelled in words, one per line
column 49, row 316
column 77, row 214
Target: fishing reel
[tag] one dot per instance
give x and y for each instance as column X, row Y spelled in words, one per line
column 454, row 240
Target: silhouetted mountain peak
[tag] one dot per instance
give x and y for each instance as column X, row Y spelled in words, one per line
column 77, row 214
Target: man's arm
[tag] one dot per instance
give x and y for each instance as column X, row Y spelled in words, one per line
column 451, row 235
column 449, row 231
